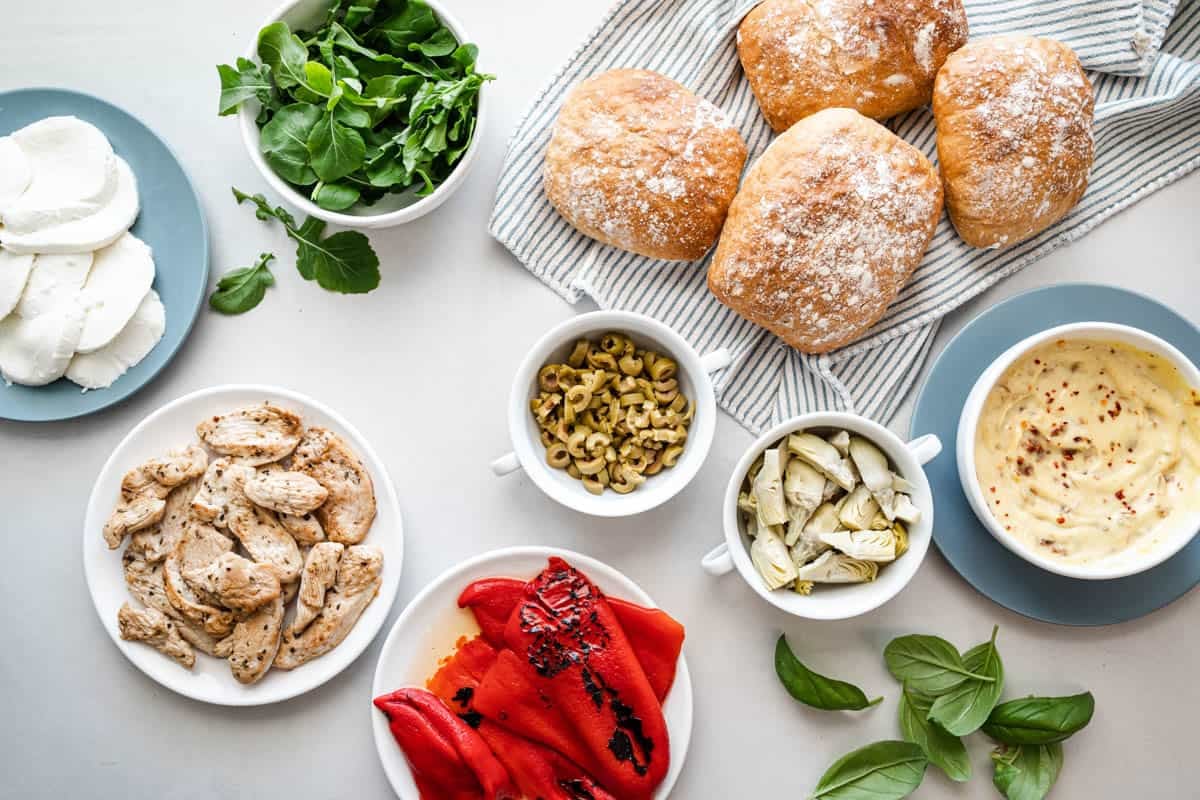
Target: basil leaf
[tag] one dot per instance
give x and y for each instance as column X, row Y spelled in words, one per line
column 885, row 770
column 284, row 142
column 335, row 196
column 249, row 80
column 816, row 690
column 335, row 149
column 284, row 53
column 1040, row 720
column 1026, row 772
column 928, row 664
column 240, row 290
column 943, row 750
column 966, row 707
column 343, row 262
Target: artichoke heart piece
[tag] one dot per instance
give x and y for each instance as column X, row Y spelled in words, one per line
column 878, row 546
column 858, row 509
column 771, row 558
column 768, row 489
column 906, row 511
column 901, row 534
column 806, row 547
column 835, row 567
column 824, row 456
column 803, row 489
column 824, row 519
column 900, row 484
column 872, row 465
column 746, row 503
column 831, row 491
column 840, row 442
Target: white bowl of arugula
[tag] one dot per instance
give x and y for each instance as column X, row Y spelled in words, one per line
column 361, row 113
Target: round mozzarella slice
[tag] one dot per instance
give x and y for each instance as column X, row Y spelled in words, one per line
column 87, row 233
column 14, row 172
column 14, row 273
column 99, row 369
column 73, row 174
column 36, row 351
column 54, row 279
column 120, row 277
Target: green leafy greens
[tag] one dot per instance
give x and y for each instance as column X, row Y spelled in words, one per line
column 966, row 707
column 943, row 749
column 928, row 664
column 881, row 771
column 1040, row 720
column 1027, row 771
column 380, row 99
column 240, row 290
column 817, row 690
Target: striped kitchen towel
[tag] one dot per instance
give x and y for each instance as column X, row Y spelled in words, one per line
column 1144, row 57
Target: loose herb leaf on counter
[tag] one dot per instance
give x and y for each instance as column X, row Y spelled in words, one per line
column 943, row 749
column 887, row 770
column 966, row 707
column 240, row 290
column 813, row 689
column 343, row 262
column 1040, row 720
column 380, row 99
column 1027, row 771
column 928, row 664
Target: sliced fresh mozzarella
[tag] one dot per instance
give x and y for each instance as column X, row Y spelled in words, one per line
column 14, row 273
column 98, row 370
column 120, row 277
column 73, row 174
column 88, row 233
column 37, row 351
column 54, row 280
column 14, row 172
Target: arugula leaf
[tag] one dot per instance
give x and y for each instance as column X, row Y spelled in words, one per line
column 335, row 196
column 335, row 149
column 885, row 770
column 1040, row 720
column 1026, row 772
column 249, row 80
column 284, row 142
column 966, row 707
column 240, row 290
column 943, row 750
column 414, row 23
column 343, row 262
column 441, row 43
column 284, row 53
column 358, row 13
column 929, row 664
column 814, row 689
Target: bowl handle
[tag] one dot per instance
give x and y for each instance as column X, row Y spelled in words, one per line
column 505, row 464
column 718, row 561
column 717, row 359
column 925, row 448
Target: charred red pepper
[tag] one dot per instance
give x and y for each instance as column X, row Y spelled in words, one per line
column 492, row 601
column 569, row 647
column 449, row 759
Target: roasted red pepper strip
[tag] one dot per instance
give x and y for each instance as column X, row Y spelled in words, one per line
column 655, row 636
column 424, row 729
column 582, row 666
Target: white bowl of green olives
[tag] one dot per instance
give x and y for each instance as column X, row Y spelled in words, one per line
column 612, row 413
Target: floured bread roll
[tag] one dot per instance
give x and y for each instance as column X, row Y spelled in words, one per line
column 1014, row 137
column 828, row 226
column 639, row 162
column 878, row 57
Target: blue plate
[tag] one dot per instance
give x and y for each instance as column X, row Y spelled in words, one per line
column 171, row 222
column 997, row 573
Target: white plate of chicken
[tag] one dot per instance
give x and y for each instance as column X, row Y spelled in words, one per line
column 243, row 545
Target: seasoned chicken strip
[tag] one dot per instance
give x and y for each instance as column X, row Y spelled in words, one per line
column 201, row 545
column 284, row 492
column 159, row 475
column 255, row 641
column 145, row 583
column 266, row 541
column 151, row 626
column 358, row 581
column 221, row 492
column 256, row 434
column 132, row 515
column 320, row 572
column 347, row 515
column 306, row 530
column 156, row 543
column 234, row 582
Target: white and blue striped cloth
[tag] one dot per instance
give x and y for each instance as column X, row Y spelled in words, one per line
column 1145, row 67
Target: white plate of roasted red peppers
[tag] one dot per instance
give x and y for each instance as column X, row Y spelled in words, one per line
column 533, row 672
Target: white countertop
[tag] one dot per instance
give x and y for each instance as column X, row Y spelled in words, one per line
column 422, row 366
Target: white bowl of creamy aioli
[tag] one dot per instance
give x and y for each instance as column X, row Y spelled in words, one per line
column 1079, row 450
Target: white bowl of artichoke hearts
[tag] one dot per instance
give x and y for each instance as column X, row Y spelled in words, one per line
column 828, row 515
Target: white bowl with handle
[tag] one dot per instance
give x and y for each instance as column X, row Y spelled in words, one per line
column 529, row 454
column 830, row 601
column 392, row 209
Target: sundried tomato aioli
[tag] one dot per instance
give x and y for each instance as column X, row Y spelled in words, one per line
column 1085, row 449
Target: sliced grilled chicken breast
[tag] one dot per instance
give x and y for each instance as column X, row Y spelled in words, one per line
column 156, row 543
column 318, row 576
column 255, row 642
column 256, row 434
column 151, row 626
column 357, row 583
column 237, row 583
column 266, row 540
column 347, row 514
column 285, row 492
column 200, row 545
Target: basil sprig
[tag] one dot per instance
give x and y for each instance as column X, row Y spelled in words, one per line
column 1040, row 720
column 966, row 707
column 943, row 749
column 885, row 770
column 928, row 664
column 1026, row 771
column 814, row 689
